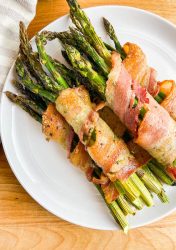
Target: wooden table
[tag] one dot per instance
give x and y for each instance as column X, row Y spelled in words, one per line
column 26, row 225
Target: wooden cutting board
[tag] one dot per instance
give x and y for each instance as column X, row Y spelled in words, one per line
column 26, row 225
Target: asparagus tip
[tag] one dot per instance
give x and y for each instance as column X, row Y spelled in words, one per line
column 105, row 21
column 10, row 95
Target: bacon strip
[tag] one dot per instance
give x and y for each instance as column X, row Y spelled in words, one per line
column 169, row 102
column 121, row 92
column 55, row 127
column 136, row 65
column 110, row 192
column 153, row 87
column 156, row 133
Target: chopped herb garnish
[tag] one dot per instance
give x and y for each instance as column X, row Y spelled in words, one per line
column 158, row 98
column 162, row 95
column 92, row 138
column 135, row 102
column 142, row 113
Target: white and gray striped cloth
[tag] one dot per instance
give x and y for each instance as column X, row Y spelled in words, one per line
column 11, row 12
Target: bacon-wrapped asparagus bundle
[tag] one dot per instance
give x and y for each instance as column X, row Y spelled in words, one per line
column 164, row 92
column 135, row 62
column 132, row 104
column 56, row 128
column 113, row 157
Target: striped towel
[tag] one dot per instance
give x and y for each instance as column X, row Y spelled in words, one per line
column 11, row 12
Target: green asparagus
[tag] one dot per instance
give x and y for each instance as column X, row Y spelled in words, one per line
column 32, row 86
column 111, row 32
column 26, row 49
column 23, row 103
column 40, row 42
column 88, row 30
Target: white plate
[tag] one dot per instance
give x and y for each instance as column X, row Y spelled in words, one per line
column 43, row 169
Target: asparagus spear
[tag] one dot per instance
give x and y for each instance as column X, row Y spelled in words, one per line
column 145, row 195
column 88, row 30
column 76, row 22
column 84, row 67
column 25, row 105
column 156, row 168
column 78, row 40
column 43, row 102
column 124, row 190
column 124, row 205
column 28, row 82
column 69, row 75
column 111, row 32
column 116, row 212
column 40, row 41
column 78, row 26
column 152, row 182
column 65, row 56
column 36, row 67
column 73, row 78
column 109, row 47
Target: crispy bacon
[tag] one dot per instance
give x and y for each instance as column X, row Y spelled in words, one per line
column 153, row 87
column 169, row 102
column 103, row 180
column 100, row 106
column 126, row 171
column 110, row 192
column 69, row 142
column 89, row 173
column 171, row 170
column 54, row 126
column 80, row 158
column 136, row 64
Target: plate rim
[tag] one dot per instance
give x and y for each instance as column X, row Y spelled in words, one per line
column 9, row 158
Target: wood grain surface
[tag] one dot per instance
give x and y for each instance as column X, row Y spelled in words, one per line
column 26, row 225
